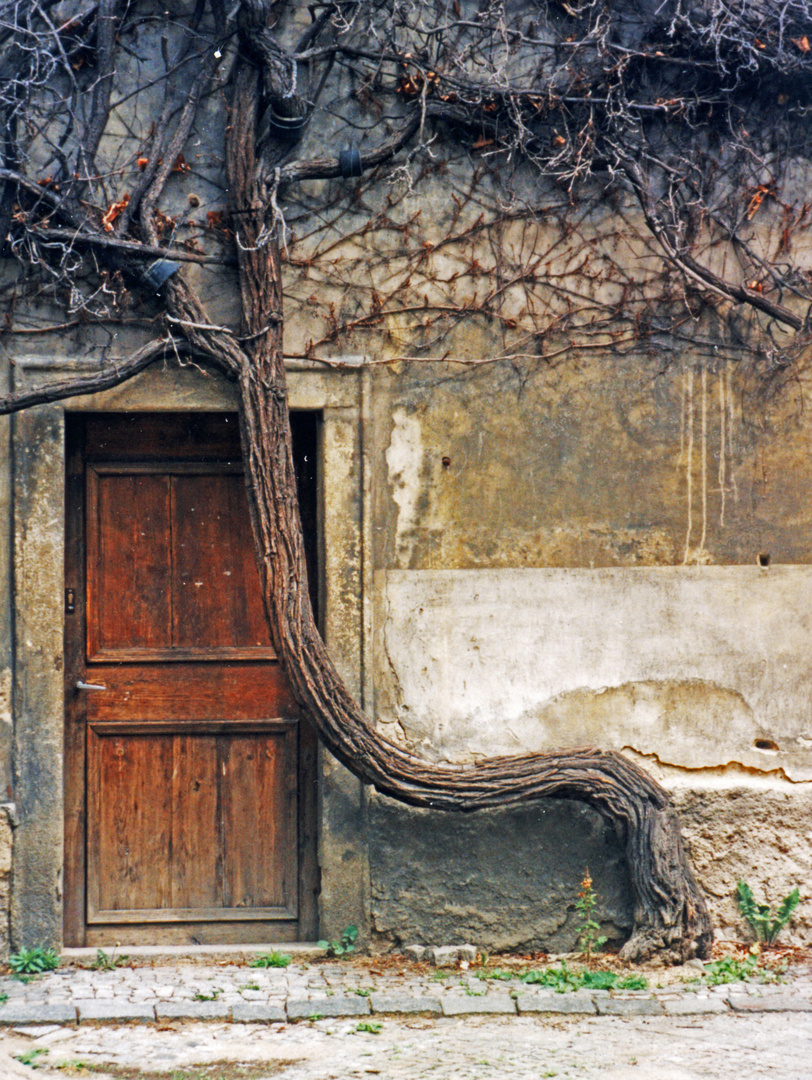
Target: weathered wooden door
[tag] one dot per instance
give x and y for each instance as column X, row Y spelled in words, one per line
column 190, row 779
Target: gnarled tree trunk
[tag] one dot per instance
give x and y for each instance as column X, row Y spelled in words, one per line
column 670, row 914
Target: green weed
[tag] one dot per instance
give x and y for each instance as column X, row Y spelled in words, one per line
column 213, row 996
column 760, row 918
column 108, row 962
column 372, row 1027
column 588, row 931
column 563, row 979
column 731, row 970
column 31, row 1057
column 344, row 946
column 273, row 959
column 34, row 961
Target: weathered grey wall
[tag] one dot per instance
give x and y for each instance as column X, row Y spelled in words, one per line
column 501, row 879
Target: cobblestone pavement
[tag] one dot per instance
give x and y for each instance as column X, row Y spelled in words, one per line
column 755, row 1046
column 315, row 1021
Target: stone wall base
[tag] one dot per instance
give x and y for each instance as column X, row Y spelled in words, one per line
column 508, row 880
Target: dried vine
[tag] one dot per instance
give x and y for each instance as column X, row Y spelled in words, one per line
column 624, row 100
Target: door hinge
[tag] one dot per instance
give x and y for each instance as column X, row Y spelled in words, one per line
column 70, row 601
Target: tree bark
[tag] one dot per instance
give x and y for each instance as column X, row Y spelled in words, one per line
column 670, row 915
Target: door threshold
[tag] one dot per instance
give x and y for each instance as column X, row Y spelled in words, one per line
column 301, row 951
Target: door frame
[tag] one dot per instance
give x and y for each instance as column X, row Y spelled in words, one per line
column 39, row 471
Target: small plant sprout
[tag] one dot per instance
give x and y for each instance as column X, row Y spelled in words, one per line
column 31, row 1057
column 274, row 959
column 108, row 961
column 760, row 918
column 589, row 930
column 344, row 946
column 732, row 969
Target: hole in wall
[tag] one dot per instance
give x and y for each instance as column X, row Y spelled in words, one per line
column 766, row 744
column 763, row 558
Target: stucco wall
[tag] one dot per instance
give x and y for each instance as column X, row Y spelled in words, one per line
column 600, row 555
column 697, row 666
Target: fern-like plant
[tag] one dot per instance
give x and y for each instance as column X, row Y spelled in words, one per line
column 760, row 918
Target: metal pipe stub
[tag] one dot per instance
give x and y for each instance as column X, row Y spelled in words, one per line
column 349, row 162
column 159, row 272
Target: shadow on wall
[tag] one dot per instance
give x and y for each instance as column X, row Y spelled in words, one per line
column 501, row 879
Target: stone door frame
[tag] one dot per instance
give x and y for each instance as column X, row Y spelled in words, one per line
column 38, row 477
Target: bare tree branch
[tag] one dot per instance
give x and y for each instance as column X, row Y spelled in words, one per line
column 112, row 374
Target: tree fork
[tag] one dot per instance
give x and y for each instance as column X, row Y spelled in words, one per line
column 670, row 914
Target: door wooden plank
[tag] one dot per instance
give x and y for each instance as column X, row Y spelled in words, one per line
column 130, row 840
column 215, row 932
column 197, row 864
column 215, row 585
column 210, row 656
column 129, row 546
column 241, row 691
column 259, row 819
column 158, row 916
column 152, row 436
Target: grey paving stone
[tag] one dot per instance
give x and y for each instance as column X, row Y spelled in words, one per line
column 192, row 1010
column 690, row 1005
column 488, row 1003
column 629, row 1006
column 555, row 1003
column 771, row 1003
column 256, row 1012
column 37, row 1013
column 404, row 1003
column 304, row 1008
column 119, row 1011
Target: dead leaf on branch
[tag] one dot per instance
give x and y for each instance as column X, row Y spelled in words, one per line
column 114, row 211
column 760, row 194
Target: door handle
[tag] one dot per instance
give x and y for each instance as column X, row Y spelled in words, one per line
column 89, row 686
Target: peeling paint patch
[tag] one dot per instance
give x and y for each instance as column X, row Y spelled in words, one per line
column 699, row 666
column 404, row 460
column 707, row 777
